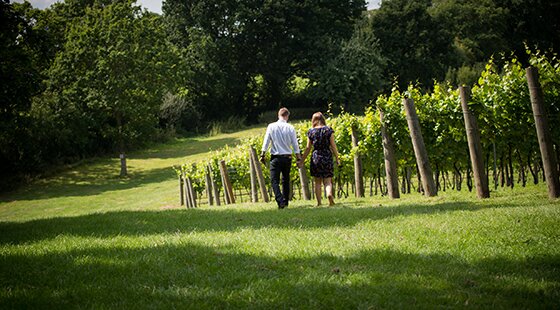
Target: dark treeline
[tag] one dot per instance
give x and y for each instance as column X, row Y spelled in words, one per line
column 91, row 77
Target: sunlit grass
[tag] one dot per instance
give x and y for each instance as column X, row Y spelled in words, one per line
column 94, row 186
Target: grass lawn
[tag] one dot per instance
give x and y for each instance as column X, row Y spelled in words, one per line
column 87, row 239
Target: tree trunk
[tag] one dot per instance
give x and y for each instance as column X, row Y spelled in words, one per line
column 534, row 172
column 459, row 177
column 420, row 188
column 408, row 179
column 438, row 186
column 521, row 169
column 469, row 179
column 503, row 172
column 379, row 180
column 495, row 166
column 510, row 165
column 122, row 154
column 422, row 161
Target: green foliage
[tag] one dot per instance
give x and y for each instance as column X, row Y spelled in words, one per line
column 355, row 75
column 180, row 112
column 110, row 73
column 242, row 54
column 549, row 76
column 19, row 82
column 500, row 102
column 416, row 45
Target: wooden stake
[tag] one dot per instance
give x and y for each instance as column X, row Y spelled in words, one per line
column 214, row 185
column 192, row 194
column 253, row 174
column 304, row 180
column 358, row 178
column 475, row 148
column 227, row 200
column 260, row 176
column 422, row 160
column 390, row 161
column 181, row 191
column 209, row 189
column 543, row 133
column 227, row 183
column 187, row 192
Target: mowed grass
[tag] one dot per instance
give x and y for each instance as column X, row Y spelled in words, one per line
column 111, row 243
column 95, row 186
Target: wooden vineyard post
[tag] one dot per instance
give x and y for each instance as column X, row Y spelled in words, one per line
column 422, row 160
column 253, row 174
column 186, row 190
column 304, row 180
column 358, row 178
column 181, row 191
column 390, row 161
column 543, row 133
column 192, row 194
column 227, row 183
column 260, row 176
column 215, row 188
column 475, row 148
column 209, row 187
column 227, row 200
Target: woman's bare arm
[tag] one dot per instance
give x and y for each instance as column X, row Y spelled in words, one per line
column 334, row 150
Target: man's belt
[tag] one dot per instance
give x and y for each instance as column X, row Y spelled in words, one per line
column 281, row 155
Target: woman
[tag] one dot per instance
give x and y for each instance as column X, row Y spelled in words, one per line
column 321, row 166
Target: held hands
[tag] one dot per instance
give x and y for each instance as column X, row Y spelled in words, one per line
column 262, row 159
column 338, row 163
column 299, row 162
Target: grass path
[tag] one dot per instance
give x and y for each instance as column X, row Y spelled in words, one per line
column 94, row 186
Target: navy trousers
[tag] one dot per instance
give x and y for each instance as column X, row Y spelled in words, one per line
column 280, row 166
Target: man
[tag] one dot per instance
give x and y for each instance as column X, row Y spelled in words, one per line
column 282, row 137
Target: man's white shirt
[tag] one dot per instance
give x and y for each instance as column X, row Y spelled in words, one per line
column 283, row 138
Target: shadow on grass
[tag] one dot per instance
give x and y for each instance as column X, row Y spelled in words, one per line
column 144, row 223
column 195, row 276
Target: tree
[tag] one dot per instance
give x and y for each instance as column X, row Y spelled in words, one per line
column 109, row 77
column 245, row 39
column 354, row 76
column 478, row 27
column 531, row 22
column 19, row 82
column 417, row 47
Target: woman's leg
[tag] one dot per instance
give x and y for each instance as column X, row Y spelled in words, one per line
column 318, row 188
column 328, row 189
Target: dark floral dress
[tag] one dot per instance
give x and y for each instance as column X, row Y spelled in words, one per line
column 321, row 158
